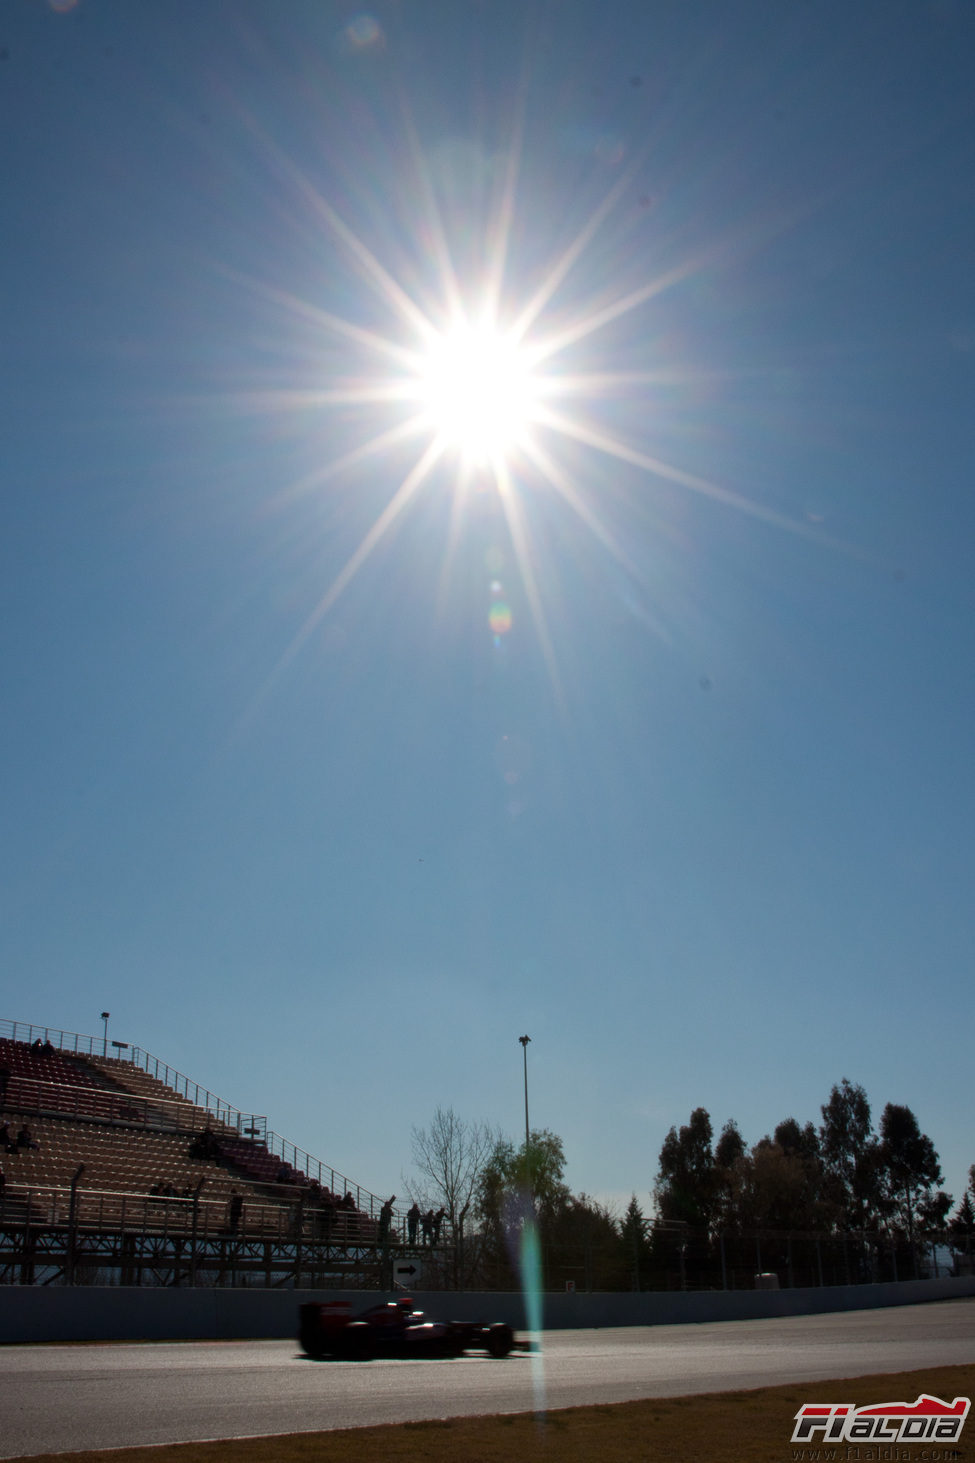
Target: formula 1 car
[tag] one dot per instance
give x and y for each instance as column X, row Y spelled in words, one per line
column 395, row 1329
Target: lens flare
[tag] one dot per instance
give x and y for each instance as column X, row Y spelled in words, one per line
column 530, row 1267
column 491, row 365
column 499, row 618
column 363, row 31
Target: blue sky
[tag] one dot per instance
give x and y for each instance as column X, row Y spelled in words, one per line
column 652, row 737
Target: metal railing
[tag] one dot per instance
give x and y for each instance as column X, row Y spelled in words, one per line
column 68, row 1041
column 325, row 1175
column 251, row 1124
column 50, row 1206
column 46, row 1098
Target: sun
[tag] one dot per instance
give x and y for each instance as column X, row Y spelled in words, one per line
column 508, row 383
column 477, row 390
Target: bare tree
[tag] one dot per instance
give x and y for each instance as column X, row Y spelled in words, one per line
column 449, row 1157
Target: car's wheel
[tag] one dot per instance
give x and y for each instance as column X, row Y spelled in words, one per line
column 356, row 1340
column 312, row 1341
column 500, row 1340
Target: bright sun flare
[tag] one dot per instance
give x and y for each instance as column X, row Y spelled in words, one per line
column 502, row 398
column 477, row 390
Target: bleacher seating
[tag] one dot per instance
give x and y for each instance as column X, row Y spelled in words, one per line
column 41, row 1078
column 125, row 1076
column 126, row 1135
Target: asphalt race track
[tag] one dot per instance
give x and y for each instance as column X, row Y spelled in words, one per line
column 57, row 1398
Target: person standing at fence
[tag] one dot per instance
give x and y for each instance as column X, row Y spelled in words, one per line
column 386, row 1219
column 413, row 1222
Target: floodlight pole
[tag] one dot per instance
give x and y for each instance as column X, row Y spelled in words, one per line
column 105, row 1016
column 528, row 1162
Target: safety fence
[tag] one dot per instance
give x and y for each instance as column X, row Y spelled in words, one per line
column 672, row 1258
column 55, row 1207
column 64, row 1234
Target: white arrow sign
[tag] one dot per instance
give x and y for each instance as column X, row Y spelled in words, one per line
column 407, row 1273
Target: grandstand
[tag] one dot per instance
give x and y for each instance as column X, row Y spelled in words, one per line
column 121, row 1170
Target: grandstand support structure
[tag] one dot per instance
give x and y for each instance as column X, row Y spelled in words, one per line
column 124, row 1171
column 48, row 1241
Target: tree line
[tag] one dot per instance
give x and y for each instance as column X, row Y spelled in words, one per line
column 841, row 1176
column 870, row 1196
column 490, row 1187
column 835, row 1180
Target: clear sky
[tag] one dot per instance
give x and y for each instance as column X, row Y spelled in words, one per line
column 488, row 548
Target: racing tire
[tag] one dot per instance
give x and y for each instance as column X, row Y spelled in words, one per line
column 500, row 1340
column 312, row 1342
column 356, row 1341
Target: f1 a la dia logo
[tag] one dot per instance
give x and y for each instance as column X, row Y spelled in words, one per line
column 927, row 1420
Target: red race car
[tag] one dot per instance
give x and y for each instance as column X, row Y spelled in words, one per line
column 394, row 1328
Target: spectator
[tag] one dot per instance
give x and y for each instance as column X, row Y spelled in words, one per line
column 386, row 1219
column 205, row 1144
column 25, row 1139
column 298, row 1218
column 413, row 1221
column 438, row 1220
column 329, row 1211
column 6, row 1142
column 426, row 1223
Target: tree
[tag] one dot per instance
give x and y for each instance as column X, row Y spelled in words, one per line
column 581, row 1242
column 932, row 1210
column 521, row 1189
column 636, row 1249
column 849, row 1155
column 791, row 1175
column 686, row 1185
column 962, row 1226
column 781, row 1191
column 910, row 1168
column 798, row 1142
column 524, row 1177
column 730, row 1161
column 450, row 1157
column 730, row 1146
